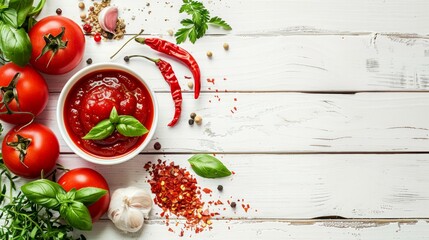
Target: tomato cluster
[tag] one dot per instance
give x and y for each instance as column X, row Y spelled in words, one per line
column 30, row 150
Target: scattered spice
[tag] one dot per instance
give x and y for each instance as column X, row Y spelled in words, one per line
column 87, row 28
column 209, row 54
column 97, row 37
column 198, row 119
column 92, row 20
column 233, row 204
column 193, row 115
column 176, row 192
column 220, row 187
column 226, row 46
column 170, row 32
column 191, row 121
column 190, row 85
column 245, row 207
column 89, row 61
column 83, row 15
column 207, row 191
column 59, row 11
column 81, row 5
column 157, row 146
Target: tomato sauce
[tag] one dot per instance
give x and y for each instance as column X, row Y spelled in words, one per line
column 91, row 100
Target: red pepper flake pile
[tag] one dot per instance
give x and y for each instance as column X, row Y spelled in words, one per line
column 176, row 192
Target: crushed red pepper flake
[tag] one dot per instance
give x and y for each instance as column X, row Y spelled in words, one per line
column 207, row 191
column 176, row 192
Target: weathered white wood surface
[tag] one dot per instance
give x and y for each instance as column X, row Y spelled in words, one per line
column 289, row 122
column 302, row 186
column 285, row 63
column 279, row 230
column 276, row 17
column 280, row 50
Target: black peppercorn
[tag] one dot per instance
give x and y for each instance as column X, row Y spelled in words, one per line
column 220, row 187
column 126, row 59
column 59, row 11
column 89, row 61
column 233, row 204
column 157, row 146
column 193, row 115
column 191, row 121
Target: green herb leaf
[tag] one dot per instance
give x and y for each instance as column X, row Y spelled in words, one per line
column 114, row 117
column 43, row 192
column 10, row 17
column 217, row 21
column 101, row 131
column 37, row 9
column 22, row 7
column 4, row 4
column 77, row 215
column 208, row 166
column 196, row 27
column 130, row 126
column 89, row 195
column 15, row 44
column 182, row 34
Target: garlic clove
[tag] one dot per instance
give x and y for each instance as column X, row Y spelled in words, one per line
column 141, row 200
column 108, row 18
column 129, row 220
column 128, row 208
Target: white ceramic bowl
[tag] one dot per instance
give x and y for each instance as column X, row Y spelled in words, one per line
column 61, row 124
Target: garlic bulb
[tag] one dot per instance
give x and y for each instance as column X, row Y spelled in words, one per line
column 108, row 18
column 128, row 208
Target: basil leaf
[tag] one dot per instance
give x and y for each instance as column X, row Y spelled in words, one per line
column 36, row 10
column 10, row 16
column 130, row 126
column 70, row 195
column 89, row 195
column 101, row 131
column 76, row 215
column 114, row 117
column 22, row 7
column 43, row 192
column 208, row 166
column 15, row 44
column 4, row 4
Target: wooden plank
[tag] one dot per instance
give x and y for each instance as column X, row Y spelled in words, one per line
column 269, row 230
column 285, row 63
column 250, row 17
column 288, row 122
column 298, row 186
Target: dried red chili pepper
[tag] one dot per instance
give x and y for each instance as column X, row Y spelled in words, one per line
column 169, row 76
column 181, row 54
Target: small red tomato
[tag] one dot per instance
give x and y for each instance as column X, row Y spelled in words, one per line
column 64, row 41
column 29, row 93
column 30, row 150
column 86, row 177
column 97, row 37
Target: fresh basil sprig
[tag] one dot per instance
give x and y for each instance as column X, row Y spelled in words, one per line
column 71, row 205
column 17, row 17
column 126, row 125
column 208, row 166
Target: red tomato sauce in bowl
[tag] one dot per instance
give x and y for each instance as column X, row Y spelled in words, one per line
column 91, row 100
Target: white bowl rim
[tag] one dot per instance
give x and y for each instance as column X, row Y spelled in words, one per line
column 60, row 117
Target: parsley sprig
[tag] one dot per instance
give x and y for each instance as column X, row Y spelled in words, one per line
column 196, row 27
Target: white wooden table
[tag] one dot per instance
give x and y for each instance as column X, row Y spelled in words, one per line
column 332, row 116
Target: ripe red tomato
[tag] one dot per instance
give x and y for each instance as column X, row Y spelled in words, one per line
column 30, row 150
column 65, row 51
column 29, row 90
column 86, row 177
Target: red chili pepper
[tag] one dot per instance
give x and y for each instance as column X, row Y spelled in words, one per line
column 173, row 50
column 169, row 76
